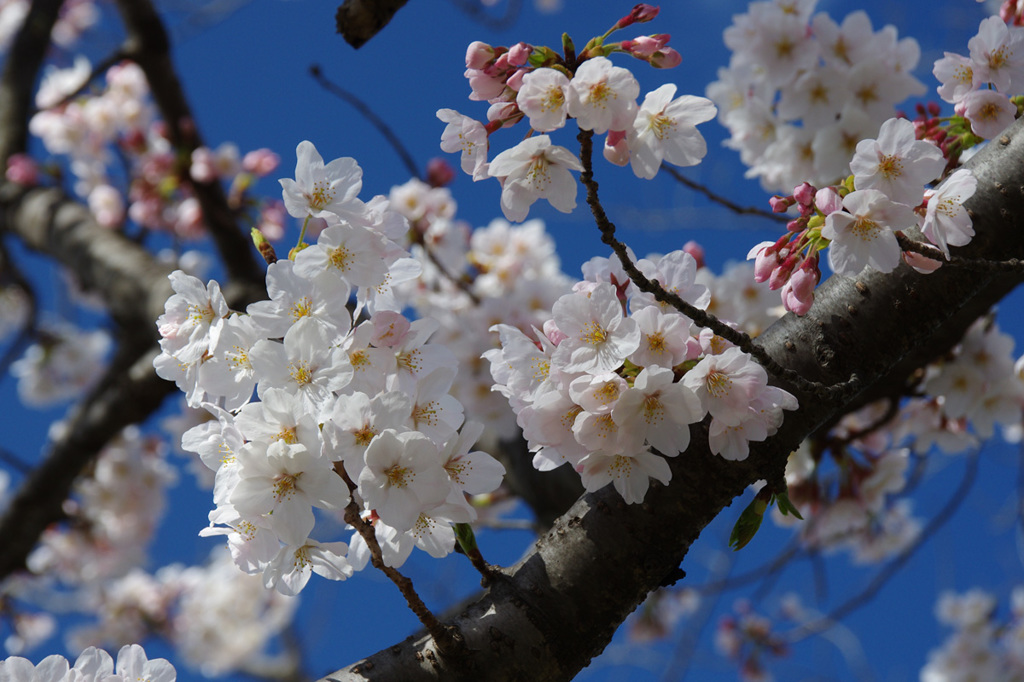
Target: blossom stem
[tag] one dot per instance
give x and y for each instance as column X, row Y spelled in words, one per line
column 450, row 641
column 718, row 199
column 700, row 317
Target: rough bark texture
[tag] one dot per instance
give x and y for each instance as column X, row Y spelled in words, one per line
column 559, row 606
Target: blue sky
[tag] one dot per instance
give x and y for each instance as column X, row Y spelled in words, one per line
column 247, row 79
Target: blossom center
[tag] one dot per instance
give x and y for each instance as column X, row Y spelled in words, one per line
column 890, row 166
column 284, row 486
column 320, row 196
column 593, row 334
column 301, row 373
column 399, row 477
column 718, row 384
column 662, row 126
column 301, row 308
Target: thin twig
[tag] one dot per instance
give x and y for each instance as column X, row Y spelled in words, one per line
column 450, row 641
column 890, row 569
column 700, row 317
column 719, row 199
column 364, row 109
column 475, row 11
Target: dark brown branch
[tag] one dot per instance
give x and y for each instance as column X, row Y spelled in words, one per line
column 450, row 642
column 719, row 199
column 370, row 115
column 360, row 20
column 148, row 45
column 602, row 557
column 700, row 317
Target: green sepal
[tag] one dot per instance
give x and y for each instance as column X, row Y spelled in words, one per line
column 785, row 506
column 747, row 524
column 466, row 539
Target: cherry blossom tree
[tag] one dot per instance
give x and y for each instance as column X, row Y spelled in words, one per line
column 387, row 383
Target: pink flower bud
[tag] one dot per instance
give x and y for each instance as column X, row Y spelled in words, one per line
column 640, row 14
column 804, row 193
column 519, row 54
column 439, row 172
column 616, row 150
column 554, row 334
column 22, row 169
column 644, row 47
column 261, row 162
column 515, row 81
column 478, row 55
column 696, row 250
column 765, row 260
column 798, row 293
column 780, row 204
column 666, row 59
column 828, row 200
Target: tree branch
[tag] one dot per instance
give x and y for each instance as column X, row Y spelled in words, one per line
column 559, row 606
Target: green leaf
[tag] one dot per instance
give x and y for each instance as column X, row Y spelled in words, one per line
column 786, row 507
column 747, row 525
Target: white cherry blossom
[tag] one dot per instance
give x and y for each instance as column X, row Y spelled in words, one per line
column 535, row 169
column 319, row 190
column 602, row 96
column 666, row 129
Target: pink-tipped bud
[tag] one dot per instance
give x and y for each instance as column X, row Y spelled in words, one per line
column 765, row 260
column 439, row 172
column 616, row 150
column 554, row 334
column 780, row 204
column 478, row 55
column 696, row 250
column 261, row 162
column 798, row 293
column 519, row 54
column 644, row 47
column 638, row 15
column 804, row 193
column 666, row 59
column 22, row 169
column 515, row 81
column 827, row 200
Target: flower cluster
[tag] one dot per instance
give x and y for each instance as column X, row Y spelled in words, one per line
column 218, row 618
column 616, row 375
column 119, row 123
column 847, row 485
column 979, row 85
column 800, row 91
column 354, row 404
column 982, row 647
column 858, row 221
column 92, row 665
column 547, row 89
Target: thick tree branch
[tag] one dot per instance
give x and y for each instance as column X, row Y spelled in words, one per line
column 148, row 45
column 558, row 607
column 130, row 281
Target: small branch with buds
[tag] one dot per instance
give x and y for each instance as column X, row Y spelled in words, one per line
column 699, row 317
